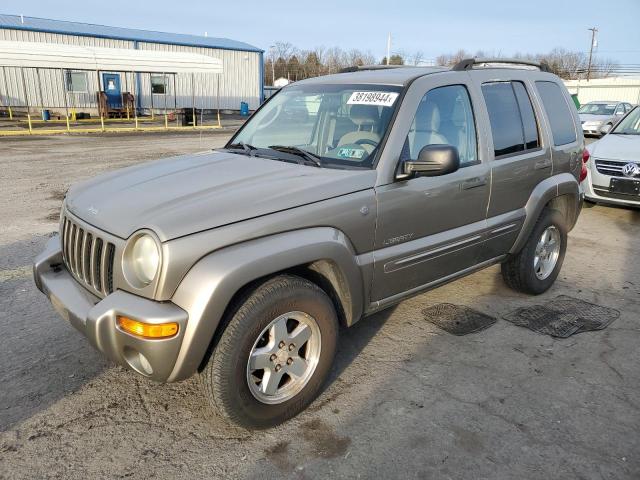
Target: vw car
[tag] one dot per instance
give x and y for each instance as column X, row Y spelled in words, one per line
column 613, row 164
column 597, row 118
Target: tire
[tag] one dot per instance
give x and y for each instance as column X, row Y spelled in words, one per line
column 518, row 270
column 225, row 379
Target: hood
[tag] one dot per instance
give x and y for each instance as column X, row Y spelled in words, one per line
column 187, row 194
column 589, row 117
column 625, row 148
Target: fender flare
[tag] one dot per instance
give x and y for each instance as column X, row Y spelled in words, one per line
column 563, row 184
column 209, row 286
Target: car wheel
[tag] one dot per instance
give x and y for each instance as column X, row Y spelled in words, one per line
column 534, row 269
column 274, row 355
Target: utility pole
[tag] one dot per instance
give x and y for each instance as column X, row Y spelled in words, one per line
column 593, row 41
column 388, row 47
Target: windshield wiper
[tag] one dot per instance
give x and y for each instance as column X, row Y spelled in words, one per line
column 301, row 152
column 248, row 149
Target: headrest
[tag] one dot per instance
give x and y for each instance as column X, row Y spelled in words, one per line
column 363, row 115
column 428, row 117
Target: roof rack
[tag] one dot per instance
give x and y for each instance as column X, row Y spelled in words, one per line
column 468, row 63
column 359, row 68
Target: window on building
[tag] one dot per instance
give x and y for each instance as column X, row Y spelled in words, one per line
column 77, row 82
column 159, row 84
column 560, row 117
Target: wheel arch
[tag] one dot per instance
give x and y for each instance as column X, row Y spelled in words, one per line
column 560, row 192
column 220, row 280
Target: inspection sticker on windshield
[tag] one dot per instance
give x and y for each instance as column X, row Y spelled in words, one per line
column 383, row 99
column 356, row 153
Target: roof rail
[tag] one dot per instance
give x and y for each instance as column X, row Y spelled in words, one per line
column 468, row 63
column 358, row 68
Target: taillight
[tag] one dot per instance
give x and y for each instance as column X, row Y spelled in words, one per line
column 585, row 159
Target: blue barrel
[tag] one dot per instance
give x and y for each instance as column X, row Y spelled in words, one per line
column 46, row 115
column 244, row 109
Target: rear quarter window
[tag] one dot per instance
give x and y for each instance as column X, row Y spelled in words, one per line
column 563, row 129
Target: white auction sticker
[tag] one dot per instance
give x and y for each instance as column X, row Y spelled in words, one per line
column 384, row 99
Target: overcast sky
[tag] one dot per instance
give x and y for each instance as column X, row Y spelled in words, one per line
column 433, row 27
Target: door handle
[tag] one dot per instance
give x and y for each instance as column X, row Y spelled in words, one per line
column 539, row 165
column 474, row 183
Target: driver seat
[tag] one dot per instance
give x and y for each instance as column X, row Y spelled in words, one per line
column 364, row 116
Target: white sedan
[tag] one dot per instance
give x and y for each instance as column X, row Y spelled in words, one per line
column 613, row 164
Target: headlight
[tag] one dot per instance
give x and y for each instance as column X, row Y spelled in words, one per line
column 142, row 260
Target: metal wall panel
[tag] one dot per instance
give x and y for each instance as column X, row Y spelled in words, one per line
column 240, row 81
column 606, row 89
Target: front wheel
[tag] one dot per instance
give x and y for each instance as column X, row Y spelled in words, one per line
column 534, row 269
column 274, row 355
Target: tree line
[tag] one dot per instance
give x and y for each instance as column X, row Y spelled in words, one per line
column 284, row 60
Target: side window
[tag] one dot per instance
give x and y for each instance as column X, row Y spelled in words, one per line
column 620, row 109
column 504, row 117
column 444, row 116
column 529, row 124
column 560, row 118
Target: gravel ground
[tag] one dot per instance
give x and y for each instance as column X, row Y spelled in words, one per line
column 405, row 400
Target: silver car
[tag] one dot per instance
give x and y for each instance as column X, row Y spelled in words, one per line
column 597, row 118
column 613, row 164
column 341, row 196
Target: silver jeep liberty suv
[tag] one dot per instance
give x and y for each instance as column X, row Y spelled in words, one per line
column 342, row 195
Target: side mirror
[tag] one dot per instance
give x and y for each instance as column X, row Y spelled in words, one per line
column 606, row 128
column 433, row 160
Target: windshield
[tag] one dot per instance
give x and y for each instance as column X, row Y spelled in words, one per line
column 340, row 125
column 629, row 125
column 598, row 108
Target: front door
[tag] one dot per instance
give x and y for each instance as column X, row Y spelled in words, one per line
column 430, row 228
column 111, row 85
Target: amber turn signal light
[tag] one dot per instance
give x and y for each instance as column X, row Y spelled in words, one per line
column 147, row 330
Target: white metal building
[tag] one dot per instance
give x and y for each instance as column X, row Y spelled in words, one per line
column 620, row 89
column 241, row 80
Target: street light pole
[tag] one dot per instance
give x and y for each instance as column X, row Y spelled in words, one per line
column 388, row 47
column 593, row 38
column 273, row 68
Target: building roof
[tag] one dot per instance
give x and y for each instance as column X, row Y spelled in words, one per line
column 35, row 24
column 48, row 55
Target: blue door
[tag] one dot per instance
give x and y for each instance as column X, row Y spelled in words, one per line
column 111, row 85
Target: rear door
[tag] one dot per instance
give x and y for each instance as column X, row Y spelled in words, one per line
column 520, row 154
column 430, row 228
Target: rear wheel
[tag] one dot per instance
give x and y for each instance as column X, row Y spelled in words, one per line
column 274, row 355
column 534, row 269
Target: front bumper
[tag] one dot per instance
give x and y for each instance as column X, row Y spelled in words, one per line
column 596, row 193
column 592, row 129
column 95, row 318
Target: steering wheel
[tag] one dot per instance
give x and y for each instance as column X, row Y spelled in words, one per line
column 366, row 141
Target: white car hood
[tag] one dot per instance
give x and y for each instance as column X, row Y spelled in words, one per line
column 625, row 148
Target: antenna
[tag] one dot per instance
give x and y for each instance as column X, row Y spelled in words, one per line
column 22, row 19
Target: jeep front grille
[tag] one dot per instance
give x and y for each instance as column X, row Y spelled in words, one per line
column 88, row 257
column 610, row 167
